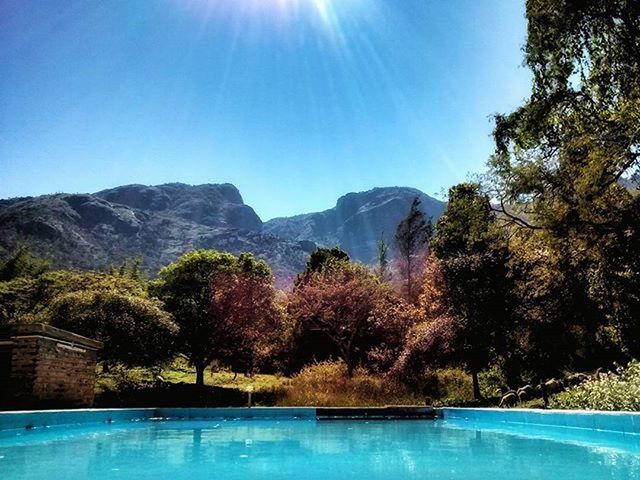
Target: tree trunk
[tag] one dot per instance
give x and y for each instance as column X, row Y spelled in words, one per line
column 545, row 394
column 348, row 361
column 200, row 375
column 350, row 370
column 409, row 286
column 476, row 386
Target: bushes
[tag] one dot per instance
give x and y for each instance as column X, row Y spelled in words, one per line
column 327, row 384
column 619, row 391
column 135, row 330
column 448, row 386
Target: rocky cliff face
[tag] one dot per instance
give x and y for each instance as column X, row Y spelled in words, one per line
column 357, row 221
column 160, row 223
column 157, row 224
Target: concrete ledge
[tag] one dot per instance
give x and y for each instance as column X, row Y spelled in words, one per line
column 47, row 331
column 232, row 413
column 376, row 413
column 46, row 418
column 619, row 422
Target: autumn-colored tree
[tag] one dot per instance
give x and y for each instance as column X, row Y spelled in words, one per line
column 342, row 300
column 246, row 312
column 388, row 331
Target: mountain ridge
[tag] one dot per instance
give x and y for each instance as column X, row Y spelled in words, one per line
column 357, row 221
column 158, row 223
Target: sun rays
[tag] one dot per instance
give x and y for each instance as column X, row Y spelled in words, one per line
column 326, row 15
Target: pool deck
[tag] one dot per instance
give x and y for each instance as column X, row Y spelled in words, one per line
column 621, row 422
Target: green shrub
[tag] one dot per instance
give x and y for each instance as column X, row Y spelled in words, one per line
column 449, row 386
column 491, row 380
column 327, row 384
column 619, row 391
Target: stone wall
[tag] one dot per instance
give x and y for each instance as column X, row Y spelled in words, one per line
column 45, row 367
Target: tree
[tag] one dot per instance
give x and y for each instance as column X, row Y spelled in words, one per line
column 614, row 284
column 135, row 331
column 26, row 299
column 321, row 258
column 223, row 304
column 564, row 151
column 22, row 264
column 545, row 338
column 383, row 270
column 248, row 316
column 467, row 290
column 342, row 300
column 185, row 288
column 561, row 156
column 412, row 238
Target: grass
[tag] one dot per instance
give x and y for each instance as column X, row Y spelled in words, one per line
column 179, row 371
column 327, row 385
column 322, row 384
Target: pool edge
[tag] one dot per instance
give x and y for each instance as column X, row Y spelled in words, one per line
column 610, row 421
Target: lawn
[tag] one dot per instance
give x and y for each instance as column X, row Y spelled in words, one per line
column 324, row 384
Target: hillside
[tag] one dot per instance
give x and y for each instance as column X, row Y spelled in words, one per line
column 159, row 223
column 357, row 221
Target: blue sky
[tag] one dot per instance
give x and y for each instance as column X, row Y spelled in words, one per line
column 296, row 102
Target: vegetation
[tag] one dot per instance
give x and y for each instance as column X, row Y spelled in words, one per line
column 342, row 301
column 223, row 305
column 612, row 391
column 412, row 238
column 329, row 384
column 134, row 330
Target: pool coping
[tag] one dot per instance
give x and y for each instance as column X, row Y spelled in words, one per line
column 620, row 422
column 596, row 420
column 29, row 419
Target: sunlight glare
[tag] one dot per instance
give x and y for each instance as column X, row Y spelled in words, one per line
column 326, row 14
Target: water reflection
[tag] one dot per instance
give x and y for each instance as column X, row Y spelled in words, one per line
column 301, row 449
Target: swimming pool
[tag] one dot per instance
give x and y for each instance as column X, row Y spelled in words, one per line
column 294, row 445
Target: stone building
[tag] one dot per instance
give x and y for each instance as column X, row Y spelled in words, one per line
column 45, row 367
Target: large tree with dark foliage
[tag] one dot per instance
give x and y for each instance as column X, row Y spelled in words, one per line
column 470, row 258
column 22, row 264
column 560, row 159
column 135, row 330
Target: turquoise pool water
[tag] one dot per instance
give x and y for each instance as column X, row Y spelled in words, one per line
column 310, row 449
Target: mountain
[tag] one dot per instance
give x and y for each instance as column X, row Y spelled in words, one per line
column 156, row 223
column 160, row 223
column 357, row 221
